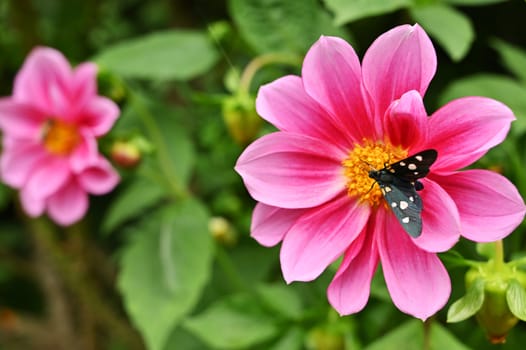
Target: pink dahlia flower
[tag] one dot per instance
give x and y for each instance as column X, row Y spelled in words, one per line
column 337, row 121
column 50, row 125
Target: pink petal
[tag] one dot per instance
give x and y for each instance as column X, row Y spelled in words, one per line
column 47, row 177
column 464, row 129
column 405, row 121
column 99, row 178
column 490, row 206
column 417, row 281
column 270, row 224
column 98, row 115
column 332, row 76
column 286, row 105
column 20, row 120
column 68, row 205
column 33, row 206
column 349, row 291
column 440, row 219
column 320, row 236
column 18, row 161
column 84, row 83
column 85, row 154
column 43, row 81
column 291, row 171
column 400, row 60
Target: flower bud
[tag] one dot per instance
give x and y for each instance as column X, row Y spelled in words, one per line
column 504, row 297
column 241, row 119
column 126, row 154
column 112, row 86
column 222, row 231
column 495, row 316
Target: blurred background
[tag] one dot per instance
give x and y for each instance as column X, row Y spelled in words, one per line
column 166, row 261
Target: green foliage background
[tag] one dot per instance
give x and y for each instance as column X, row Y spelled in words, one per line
column 143, row 270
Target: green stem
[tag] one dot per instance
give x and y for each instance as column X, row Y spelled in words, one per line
column 167, row 167
column 229, row 269
column 427, row 334
column 499, row 255
column 261, row 61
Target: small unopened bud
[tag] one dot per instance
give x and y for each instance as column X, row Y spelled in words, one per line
column 241, row 119
column 495, row 315
column 222, row 231
column 112, row 86
column 125, row 154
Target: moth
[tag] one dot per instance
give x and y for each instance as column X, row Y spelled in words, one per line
column 399, row 185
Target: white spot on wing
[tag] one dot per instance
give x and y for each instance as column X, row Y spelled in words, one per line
column 405, row 220
column 387, row 189
column 411, row 166
column 403, row 205
column 402, row 163
column 419, row 158
column 393, row 204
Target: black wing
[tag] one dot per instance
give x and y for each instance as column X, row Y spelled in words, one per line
column 413, row 167
column 406, row 204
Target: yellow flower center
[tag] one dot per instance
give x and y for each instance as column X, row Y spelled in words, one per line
column 363, row 158
column 60, row 138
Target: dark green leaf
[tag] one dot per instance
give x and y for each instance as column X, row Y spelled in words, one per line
column 516, row 298
column 451, row 28
column 469, row 304
column 410, row 336
column 164, row 268
column 498, row 87
column 514, row 58
column 134, row 199
column 174, row 54
column 473, row 2
column 235, row 322
column 349, row 10
column 442, row 338
column 292, row 340
column 281, row 299
column 281, row 25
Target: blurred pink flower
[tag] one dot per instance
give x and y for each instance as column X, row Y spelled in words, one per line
column 50, row 127
column 314, row 191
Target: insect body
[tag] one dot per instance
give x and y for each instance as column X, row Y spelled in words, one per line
column 399, row 185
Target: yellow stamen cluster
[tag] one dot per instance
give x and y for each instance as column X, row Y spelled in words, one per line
column 363, row 158
column 60, row 138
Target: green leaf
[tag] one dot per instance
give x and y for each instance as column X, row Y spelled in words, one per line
column 173, row 54
column 180, row 153
column 281, row 299
column 182, row 339
column 442, row 338
column 516, row 298
column 410, row 336
column 132, row 200
column 235, row 322
column 5, row 196
column 292, row 340
column 352, row 10
column 473, row 2
column 469, row 304
column 164, row 269
column 451, row 28
column 281, row 25
column 514, row 58
column 498, row 87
